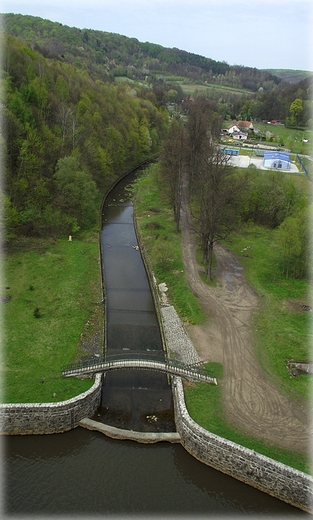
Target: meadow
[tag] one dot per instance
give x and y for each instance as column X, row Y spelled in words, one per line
column 289, row 138
column 52, row 288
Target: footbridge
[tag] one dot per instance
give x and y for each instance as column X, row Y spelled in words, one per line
column 156, row 363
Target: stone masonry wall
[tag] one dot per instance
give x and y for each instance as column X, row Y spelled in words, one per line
column 276, row 479
column 41, row 418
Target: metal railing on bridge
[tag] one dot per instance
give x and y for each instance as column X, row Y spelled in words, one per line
column 139, row 361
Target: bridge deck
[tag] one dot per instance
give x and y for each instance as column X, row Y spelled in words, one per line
column 94, row 366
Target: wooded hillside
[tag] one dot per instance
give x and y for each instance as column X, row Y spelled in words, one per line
column 241, row 92
column 108, row 55
column 67, row 137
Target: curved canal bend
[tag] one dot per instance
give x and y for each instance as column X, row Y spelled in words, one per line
column 83, row 472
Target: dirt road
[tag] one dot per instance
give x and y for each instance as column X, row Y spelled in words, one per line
column 251, row 401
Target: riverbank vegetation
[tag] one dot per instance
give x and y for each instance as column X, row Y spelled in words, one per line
column 155, row 221
column 50, row 312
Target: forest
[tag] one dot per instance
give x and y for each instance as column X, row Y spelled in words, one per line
column 70, row 129
column 67, row 138
column 107, row 54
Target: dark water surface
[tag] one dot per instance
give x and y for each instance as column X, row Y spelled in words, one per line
column 132, row 399
column 88, row 473
column 85, row 473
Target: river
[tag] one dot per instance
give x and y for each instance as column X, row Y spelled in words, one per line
column 85, row 473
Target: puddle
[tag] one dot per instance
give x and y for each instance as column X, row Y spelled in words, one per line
column 229, row 278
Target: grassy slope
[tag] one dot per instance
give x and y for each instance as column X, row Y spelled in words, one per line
column 163, row 245
column 62, row 280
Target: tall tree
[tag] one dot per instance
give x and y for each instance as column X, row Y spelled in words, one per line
column 293, row 240
column 216, row 193
column 172, row 165
column 202, row 126
column 77, row 194
column 295, row 108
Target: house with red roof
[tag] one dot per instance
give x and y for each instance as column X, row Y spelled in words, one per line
column 245, row 126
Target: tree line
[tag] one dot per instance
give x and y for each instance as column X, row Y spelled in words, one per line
column 220, row 198
column 66, row 138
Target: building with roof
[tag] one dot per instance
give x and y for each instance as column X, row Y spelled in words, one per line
column 233, row 129
column 240, row 136
column 245, row 126
column 277, row 160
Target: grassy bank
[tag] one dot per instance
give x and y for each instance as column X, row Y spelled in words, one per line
column 281, row 331
column 53, row 289
column 211, row 418
column 163, row 244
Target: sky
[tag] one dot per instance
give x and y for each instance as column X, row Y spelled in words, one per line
column 266, row 34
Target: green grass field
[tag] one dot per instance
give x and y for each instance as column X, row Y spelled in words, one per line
column 289, row 137
column 54, row 289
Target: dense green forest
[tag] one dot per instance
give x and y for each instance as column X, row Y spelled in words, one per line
column 70, row 128
column 67, row 137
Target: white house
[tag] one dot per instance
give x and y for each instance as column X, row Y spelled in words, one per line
column 240, row 136
column 233, row 128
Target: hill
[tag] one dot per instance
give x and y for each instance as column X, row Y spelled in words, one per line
column 109, row 55
column 291, row 76
column 82, row 106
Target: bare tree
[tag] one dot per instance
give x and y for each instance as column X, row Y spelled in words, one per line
column 203, row 124
column 216, row 192
column 172, row 165
column 64, row 113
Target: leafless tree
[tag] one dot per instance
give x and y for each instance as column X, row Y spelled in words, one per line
column 172, row 165
column 216, row 193
column 203, row 125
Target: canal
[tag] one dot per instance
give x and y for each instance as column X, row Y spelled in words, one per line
column 85, row 473
column 131, row 399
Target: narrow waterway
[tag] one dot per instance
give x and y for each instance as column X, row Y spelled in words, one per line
column 85, row 473
column 131, row 399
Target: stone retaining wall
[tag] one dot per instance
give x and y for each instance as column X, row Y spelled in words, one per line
column 41, row 418
column 276, row 479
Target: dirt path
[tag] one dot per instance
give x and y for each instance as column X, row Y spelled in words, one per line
column 251, row 401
